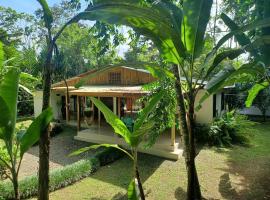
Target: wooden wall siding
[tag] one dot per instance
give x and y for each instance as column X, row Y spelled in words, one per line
column 128, row 77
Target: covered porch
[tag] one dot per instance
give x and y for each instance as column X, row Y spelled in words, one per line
column 91, row 126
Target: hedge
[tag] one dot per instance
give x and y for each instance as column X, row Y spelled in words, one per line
column 61, row 177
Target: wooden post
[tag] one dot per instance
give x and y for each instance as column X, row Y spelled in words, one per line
column 67, row 109
column 99, row 115
column 78, row 113
column 93, row 112
column 114, row 105
column 173, row 133
column 119, row 107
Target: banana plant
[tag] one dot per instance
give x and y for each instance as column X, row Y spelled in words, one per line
column 178, row 30
column 132, row 138
column 259, row 52
column 17, row 142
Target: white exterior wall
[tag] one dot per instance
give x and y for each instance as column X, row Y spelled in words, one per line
column 38, row 96
column 205, row 114
column 218, row 103
column 56, row 105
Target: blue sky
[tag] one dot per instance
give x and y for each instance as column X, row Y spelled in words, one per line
column 28, row 6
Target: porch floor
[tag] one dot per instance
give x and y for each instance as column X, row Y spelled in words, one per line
column 105, row 134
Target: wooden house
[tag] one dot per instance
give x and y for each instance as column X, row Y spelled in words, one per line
column 119, row 88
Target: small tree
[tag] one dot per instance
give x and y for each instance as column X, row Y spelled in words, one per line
column 132, row 138
column 16, row 142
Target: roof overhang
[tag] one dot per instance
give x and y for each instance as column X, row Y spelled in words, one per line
column 104, row 91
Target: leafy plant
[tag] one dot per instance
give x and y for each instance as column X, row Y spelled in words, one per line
column 16, row 143
column 164, row 114
column 132, row 138
column 59, row 178
column 230, row 128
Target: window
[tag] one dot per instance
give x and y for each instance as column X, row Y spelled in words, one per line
column 115, row 78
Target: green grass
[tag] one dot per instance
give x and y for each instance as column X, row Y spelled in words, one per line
column 235, row 173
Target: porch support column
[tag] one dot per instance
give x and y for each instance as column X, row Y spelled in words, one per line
column 78, row 113
column 114, row 105
column 119, row 107
column 173, row 133
column 93, row 112
column 67, row 109
column 99, row 115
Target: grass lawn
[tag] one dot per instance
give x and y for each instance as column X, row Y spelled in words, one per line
column 236, row 173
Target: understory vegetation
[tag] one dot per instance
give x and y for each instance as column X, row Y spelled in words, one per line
column 228, row 129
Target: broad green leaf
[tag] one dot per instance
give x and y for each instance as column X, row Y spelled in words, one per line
column 225, row 76
column 228, row 76
column 9, row 95
column 231, row 54
column 240, row 37
column 253, row 92
column 84, row 149
column 26, row 76
column 145, row 128
column 117, row 124
column 132, row 194
column 5, row 127
column 196, row 18
column 146, row 19
column 47, row 14
column 151, row 105
column 37, row 127
column 254, row 25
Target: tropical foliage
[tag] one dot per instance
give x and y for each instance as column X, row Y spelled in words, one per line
column 133, row 139
column 16, row 142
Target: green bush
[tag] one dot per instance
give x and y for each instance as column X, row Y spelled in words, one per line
column 62, row 177
column 58, row 178
column 230, row 128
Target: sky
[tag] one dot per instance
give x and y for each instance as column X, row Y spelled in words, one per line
column 27, row 6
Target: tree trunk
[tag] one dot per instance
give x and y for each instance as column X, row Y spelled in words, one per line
column 193, row 187
column 137, row 175
column 192, row 172
column 16, row 187
column 44, row 142
column 140, row 184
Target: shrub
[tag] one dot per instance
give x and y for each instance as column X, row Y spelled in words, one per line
column 58, row 178
column 230, row 128
column 63, row 176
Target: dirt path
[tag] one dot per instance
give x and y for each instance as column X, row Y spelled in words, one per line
column 61, row 145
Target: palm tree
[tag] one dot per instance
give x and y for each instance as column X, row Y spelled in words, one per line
column 178, row 30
